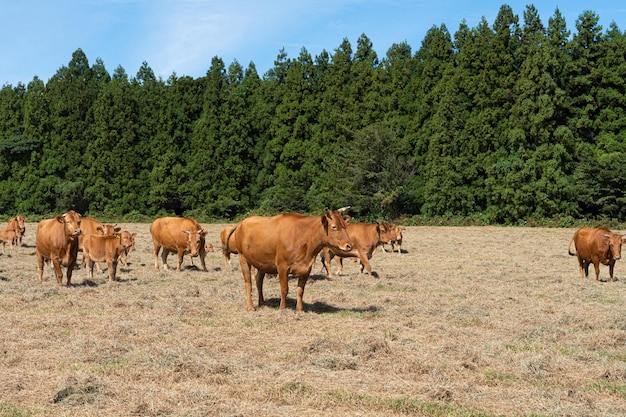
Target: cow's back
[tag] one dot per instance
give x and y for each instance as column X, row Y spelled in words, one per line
column 168, row 231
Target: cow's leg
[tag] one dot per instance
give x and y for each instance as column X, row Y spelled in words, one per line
column 596, row 267
column 68, row 273
column 611, row 269
column 164, row 254
column 112, row 265
column 40, row 263
column 584, row 269
column 260, row 276
column 365, row 263
column 202, row 255
column 156, row 250
column 300, row 293
column 339, row 262
column 283, row 280
column 181, row 258
column 90, row 265
column 247, row 281
column 57, row 270
column 327, row 256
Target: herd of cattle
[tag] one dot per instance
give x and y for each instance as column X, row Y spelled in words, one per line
column 285, row 244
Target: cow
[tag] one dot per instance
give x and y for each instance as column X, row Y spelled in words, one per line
column 595, row 246
column 286, row 244
column 17, row 224
column 105, row 248
column 91, row 226
column 9, row 236
column 397, row 230
column 365, row 238
column 178, row 234
column 56, row 240
column 127, row 236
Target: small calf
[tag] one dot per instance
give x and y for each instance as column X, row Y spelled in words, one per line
column 8, row 236
column 99, row 248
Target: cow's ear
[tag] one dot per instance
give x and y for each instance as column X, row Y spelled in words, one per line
column 99, row 229
column 60, row 218
column 117, row 229
column 346, row 218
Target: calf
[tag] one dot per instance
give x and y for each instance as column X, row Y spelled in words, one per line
column 17, row 224
column 128, row 239
column 91, row 226
column 101, row 248
column 9, row 236
column 365, row 238
column 397, row 231
column 596, row 246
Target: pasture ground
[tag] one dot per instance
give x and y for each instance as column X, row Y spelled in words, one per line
column 468, row 321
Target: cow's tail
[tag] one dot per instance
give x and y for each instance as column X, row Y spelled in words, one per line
column 225, row 249
column 569, row 247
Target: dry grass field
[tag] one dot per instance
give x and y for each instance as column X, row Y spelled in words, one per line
column 468, row 321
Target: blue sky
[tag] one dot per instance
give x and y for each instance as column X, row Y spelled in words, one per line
column 39, row 36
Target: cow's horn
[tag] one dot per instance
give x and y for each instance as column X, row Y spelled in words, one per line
column 341, row 210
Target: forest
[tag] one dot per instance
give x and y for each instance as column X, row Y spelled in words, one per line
column 508, row 122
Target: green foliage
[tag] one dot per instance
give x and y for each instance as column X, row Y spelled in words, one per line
column 513, row 122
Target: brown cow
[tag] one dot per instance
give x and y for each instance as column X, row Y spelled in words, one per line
column 105, row 248
column 56, row 240
column 127, row 236
column 365, row 238
column 596, row 246
column 397, row 230
column 286, row 244
column 91, row 226
column 177, row 234
column 9, row 236
column 17, row 224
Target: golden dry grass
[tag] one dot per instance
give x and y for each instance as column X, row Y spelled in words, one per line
column 471, row 321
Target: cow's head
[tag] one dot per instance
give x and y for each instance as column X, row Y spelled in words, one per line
column 71, row 220
column 335, row 227
column 386, row 232
column 128, row 240
column 108, row 229
column 20, row 223
column 615, row 244
column 195, row 241
column 209, row 247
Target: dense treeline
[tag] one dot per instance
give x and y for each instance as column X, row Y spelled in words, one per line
column 503, row 123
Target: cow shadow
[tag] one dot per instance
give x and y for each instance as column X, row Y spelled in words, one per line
column 318, row 307
column 87, row 283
